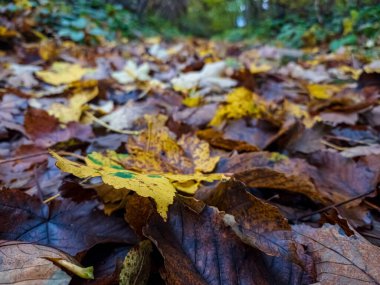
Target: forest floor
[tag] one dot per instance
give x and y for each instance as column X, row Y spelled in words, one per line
column 189, row 162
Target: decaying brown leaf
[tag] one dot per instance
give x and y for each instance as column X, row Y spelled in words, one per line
column 340, row 259
column 200, row 249
column 256, row 222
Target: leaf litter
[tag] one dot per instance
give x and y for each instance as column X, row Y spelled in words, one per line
column 188, row 165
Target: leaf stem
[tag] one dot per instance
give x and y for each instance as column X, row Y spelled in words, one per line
column 335, row 205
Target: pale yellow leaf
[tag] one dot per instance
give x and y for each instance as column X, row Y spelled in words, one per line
column 73, row 111
column 255, row 68
column 62, row 73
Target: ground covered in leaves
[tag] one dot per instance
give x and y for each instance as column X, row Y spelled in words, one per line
column 189, row 162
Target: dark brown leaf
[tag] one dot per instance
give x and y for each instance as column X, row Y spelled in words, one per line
column 256, row 222
column 62, row 224
column 200, row 249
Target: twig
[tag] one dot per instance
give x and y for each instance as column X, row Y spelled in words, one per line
column 103, row 124
column 369, row 235
column 22, row 157
column 62, row 152
column 347, row 139
column 27, row 156
column 333, row 145
column 51, row 198
column 335, row 205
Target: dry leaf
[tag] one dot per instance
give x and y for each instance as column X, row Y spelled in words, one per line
column 340, row 259
column 239, row 103
column 73, row 111
column 62, row 73
column 33, row 264
column 159, row 186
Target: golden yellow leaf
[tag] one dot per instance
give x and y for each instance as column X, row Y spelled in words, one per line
column 156, row 149
column 354, row 73
column 73, row 111
column 158, row 186
column 297, row 111
column 199, row 151
column 323, row 91
column 255, row 68
column 62, row 73
column 5, row 33
column 240, row 103
column 192, row 101
column 47, row 50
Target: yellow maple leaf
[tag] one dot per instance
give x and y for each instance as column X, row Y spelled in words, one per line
column 240, row 103
column 73, row 111
column 323, row 91
column 62, row 73
column 161, row 187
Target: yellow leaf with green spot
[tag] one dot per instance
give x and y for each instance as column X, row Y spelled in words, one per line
column 161, row 187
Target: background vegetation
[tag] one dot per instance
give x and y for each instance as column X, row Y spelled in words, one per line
column 299, row 23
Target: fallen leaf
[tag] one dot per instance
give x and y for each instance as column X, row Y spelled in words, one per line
column 200, row 249
column 323, row 91
column 73, row 110
column 62, row 73
column 255, row 68
column 157, row 150
column 132, row 72
column 340, row 259
column 64, row 225
column 269, row 178
column 256, row 222
column 136, row 265
column 341, row 178
column 210, row 75
column 161, row 187
column 199, row 152
column 46, row 131
column 216, row 139
column 240, row 103
column 372, row 149
column 33, row 264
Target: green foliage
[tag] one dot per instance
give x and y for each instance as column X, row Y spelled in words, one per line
column 88, row 21
column 300, row 23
